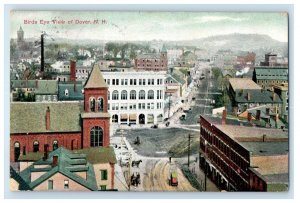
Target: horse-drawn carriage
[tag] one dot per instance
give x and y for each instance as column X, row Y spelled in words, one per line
column 135, row 179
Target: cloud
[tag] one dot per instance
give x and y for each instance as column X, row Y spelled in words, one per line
column 207, row 19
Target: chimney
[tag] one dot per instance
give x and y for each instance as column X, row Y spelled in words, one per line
column 224, row 115
column 48, row 118
column 72, row 70
column 46, row 146
column 257, row 115
column 54, row 160
column 264, row 137
column 248, row 96
column 249, row 117
column 273, row 96
column 36, row 83
column 268, row 111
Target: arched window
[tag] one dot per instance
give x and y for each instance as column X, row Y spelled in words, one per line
column 17, row 151
column 36, row 146
column 124, row 95
column 132, row 94
column 100, row 104
column 115, row 118
column 115, row 95
column 66, row 92
column 150, row 94
column 96, row 136
column 55, row 145
column 92, row 104
column 142, row 94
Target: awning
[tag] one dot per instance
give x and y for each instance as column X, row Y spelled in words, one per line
column 124, row 116
column 132, row 117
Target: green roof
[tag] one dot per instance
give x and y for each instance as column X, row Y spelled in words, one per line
column 74, row 91
column 29, row 117
column 148, row 56
column 98, row 154
column 23, row 83
column 271, row 73
column 46, row 87
column 31, row 156
column 95, row 79
column 66, row 166
column 256, row 96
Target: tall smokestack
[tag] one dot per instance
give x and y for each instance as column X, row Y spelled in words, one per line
column 42, row 53
column 54, row 160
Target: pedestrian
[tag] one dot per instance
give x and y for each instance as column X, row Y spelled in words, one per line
column 170, row 158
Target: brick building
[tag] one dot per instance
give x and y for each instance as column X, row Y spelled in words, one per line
column 243, row 158
column 152, row 62
column 72, row 125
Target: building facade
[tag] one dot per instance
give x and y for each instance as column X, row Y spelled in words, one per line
column 72, row 125
column 268, row 77
column 152, row 62
column 136, row 98
column 239, row 158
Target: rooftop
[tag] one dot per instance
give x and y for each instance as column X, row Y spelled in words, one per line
column 95, row 79
column 243, row 83
column 29, row 117
column 66, row 165
column 256, row 96
column 271, row 73
column 96, row 155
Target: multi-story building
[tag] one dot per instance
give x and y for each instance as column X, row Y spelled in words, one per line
column 64, row 170
column 283, row 92
column 267, row 77
column 245, row 94
column 72, row 124
column 243, row 158
column 174, row 54
column 152, row 61
column 136, row 98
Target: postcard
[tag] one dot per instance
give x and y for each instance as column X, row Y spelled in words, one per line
column 149, row 101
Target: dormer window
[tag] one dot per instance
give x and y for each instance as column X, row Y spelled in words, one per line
column 66, row 92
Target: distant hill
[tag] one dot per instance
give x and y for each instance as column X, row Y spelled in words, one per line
column 260, row 44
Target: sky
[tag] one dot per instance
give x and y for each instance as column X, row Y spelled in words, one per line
column 133, row 26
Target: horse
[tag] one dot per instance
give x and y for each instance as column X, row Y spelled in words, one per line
column 136, row 163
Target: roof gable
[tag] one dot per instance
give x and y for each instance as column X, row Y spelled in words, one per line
column 95, row 79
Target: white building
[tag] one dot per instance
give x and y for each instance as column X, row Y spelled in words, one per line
column 174, row 54
column 135, row 97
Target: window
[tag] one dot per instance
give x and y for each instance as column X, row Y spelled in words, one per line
column 50, row 184
column 92, row 104
column 131, row 81
column 115, row 95
column 126, row 81
column 113, row 82
column 122, row 82
column 132, row 94
column 55, row 145
column 103, row 174
column 124, row 95
column 100, row 103
column 66, row 184
column 144, row 81
column 140, row 81
column 150, row 94
column 108, row 81
column 142, row 94
column 102, row 187
column 148, row 105
column 108, row 95
column 36, row 146
column 117, row 81
column 96, row 135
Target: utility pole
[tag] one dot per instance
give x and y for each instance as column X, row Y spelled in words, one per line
column 189, row 147
column 169, row 105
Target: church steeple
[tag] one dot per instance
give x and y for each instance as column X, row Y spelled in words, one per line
column 95, row 117
column 95, row 92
